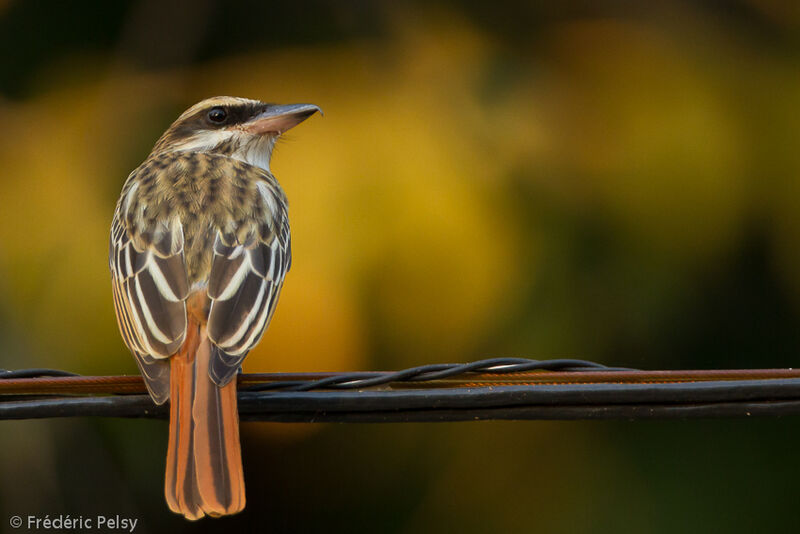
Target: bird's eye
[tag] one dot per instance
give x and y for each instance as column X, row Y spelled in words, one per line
column 217, row 115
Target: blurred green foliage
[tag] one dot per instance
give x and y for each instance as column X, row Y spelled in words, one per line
column 615, row 181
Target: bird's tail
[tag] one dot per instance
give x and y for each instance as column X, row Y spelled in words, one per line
column 204, row 463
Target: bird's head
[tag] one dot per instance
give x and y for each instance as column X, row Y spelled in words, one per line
column 237, row 127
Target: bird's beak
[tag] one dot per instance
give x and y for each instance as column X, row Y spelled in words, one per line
column 277, row 119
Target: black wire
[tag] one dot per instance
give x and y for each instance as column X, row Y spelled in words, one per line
column 720, row 398
column 33, row 373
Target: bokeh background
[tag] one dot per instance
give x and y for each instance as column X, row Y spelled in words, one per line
column 609, row 180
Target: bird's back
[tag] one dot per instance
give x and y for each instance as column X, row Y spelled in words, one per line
column 209, row 195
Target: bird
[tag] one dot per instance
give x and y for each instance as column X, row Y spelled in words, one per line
column 199, row 248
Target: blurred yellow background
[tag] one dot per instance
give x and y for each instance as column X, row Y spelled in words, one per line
column 604, row 180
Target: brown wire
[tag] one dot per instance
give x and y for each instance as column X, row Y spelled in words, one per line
column 130, row 384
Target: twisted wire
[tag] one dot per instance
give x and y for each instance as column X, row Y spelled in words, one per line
column 437, row 371
column 57, row 381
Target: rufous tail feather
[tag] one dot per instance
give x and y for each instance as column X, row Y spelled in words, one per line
column 204, row 464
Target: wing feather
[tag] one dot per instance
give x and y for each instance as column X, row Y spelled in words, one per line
column 244, row 284
column 155, row 372
column 150, row 285
column 154, row 290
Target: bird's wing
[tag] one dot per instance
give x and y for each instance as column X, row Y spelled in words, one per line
column 245, row 281
column 150, row 284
